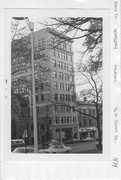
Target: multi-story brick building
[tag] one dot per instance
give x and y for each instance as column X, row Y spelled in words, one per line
column 55, row 86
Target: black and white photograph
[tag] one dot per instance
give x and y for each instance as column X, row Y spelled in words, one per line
column 57, row 85
column 60, row 89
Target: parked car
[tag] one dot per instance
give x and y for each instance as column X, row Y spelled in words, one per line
column 49, row 143
column 71, row 141
column 23, row 150
column 87, row 139
column 17, row 143
column 56, row 148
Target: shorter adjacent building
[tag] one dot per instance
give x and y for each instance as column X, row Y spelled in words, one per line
column 87, row 124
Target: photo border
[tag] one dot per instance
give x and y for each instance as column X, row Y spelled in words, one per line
column 55, row 169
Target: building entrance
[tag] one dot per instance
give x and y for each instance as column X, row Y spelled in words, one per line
column 68, row 133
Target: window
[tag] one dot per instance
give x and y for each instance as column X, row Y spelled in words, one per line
column 63, row 56
column 74, row 119
column 55, row 85
column 67, row 77
column 67, row 120
column 73, row 108
column 70, row 119
column 56, row 96
column 71, row 78
column 42, row 97
column 56, row 108
column 61, row 86
column 57, row 121
column 73, row 97
column 61, row 97
column 53, row 52
column 64, row 44
column 60, row 65
column 54, row 63
column 67, row 87
column 63, row 120
column 60, row 75
column 68, row 108
column 62, row 108
column 64, row 76
column 36, row 98
column 93, row 112
column 72, row 88
column 54, row 74
column 70, row 68
column 69, row 57
column 68, row 97
column 89, row 111
column 65, row 66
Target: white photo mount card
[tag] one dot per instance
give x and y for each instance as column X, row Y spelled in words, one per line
column 60, row 90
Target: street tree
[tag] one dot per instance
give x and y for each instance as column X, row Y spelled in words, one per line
column 19, row 111
column 89, row 29
column 21, row 75
column 92, row 90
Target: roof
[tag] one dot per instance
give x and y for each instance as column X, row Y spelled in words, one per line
column 55, row 32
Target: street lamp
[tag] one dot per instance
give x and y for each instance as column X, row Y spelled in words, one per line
column 31, row 27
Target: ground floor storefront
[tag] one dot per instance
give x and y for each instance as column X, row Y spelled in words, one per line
column 89, row 132
column 61, row 133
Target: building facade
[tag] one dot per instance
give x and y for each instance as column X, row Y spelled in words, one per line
column 55, row 86
column 87, row 124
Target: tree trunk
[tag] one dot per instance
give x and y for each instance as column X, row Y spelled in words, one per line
column 98, row 127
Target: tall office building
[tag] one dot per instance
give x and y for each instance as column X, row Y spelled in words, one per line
column 55, row 86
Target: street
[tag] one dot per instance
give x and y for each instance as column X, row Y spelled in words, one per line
column 83, row 147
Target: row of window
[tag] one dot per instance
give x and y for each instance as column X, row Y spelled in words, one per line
column 65, row 120
column 64, row 97
column 63, row 76
column 61, row 55
column 64, row 108
column 62, row 86
column 88, row 111
column 86, row 122
column 62, row 65
column 60, row 44
column 42, row 98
